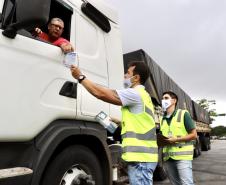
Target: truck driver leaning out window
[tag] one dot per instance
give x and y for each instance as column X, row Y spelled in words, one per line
column 55, row 30
column 180, row 130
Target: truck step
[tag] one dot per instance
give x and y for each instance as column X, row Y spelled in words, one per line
column 13, row 172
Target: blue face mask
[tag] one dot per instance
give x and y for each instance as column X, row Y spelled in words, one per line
column 127, row 82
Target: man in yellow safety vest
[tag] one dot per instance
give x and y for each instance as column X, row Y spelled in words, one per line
column 139, row 146
column 180, row 130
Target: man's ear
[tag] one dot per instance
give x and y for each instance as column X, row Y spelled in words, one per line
column 174, row 100
column 137, row 78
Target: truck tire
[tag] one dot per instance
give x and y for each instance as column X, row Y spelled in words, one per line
column 209, row 146
column 74, row 165
column 197, row 149
column 196, row 152
column 205, row 144
column 159, row 173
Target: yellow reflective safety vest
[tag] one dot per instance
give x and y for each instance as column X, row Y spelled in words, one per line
column 139, row 132
column 180, row 150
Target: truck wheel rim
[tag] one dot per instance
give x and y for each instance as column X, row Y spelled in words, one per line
column 75, row 176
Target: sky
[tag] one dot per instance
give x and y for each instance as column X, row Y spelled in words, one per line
column 187, row 38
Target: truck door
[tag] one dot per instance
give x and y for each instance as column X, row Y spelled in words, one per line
column 93, row 63
column 31, row 77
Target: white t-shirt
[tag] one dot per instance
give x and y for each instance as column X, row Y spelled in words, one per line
column 131, row 98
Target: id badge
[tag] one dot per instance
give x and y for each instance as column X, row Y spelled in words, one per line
column 170, row 134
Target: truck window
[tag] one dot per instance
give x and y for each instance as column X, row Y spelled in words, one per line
column 63, row 11
column 58, row 9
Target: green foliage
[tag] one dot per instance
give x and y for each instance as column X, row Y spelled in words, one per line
column 204, row 103
column 218, row 131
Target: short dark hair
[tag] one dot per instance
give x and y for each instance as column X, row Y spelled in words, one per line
column 172, row 95
column 140, row 69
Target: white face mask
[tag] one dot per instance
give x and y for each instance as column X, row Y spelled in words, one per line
column 166, row 104
column 127, row 83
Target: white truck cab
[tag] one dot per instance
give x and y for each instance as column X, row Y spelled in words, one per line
column 32, row 74
column 46, row 115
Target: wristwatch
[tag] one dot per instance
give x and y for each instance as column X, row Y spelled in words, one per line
column 81, row 78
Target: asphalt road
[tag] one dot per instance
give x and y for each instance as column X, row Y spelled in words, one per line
column 210, row 167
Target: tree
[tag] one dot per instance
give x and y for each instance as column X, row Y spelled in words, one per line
column 218, row 131
column 204, row 103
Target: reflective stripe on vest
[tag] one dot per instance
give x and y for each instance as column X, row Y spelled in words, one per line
column 179, row 115
column 150, row 135
column 139, row 132
column 171, row 154
column 149, row 111
column 183, row 144
column 180, row 150
column 139, row 149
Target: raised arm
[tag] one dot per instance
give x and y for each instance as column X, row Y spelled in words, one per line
column 102, row 93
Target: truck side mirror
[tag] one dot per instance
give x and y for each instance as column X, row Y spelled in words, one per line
column 24, row 14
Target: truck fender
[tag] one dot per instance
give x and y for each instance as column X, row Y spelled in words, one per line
column 62, row 133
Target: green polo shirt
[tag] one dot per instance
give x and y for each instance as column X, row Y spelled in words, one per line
column 188, row 122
